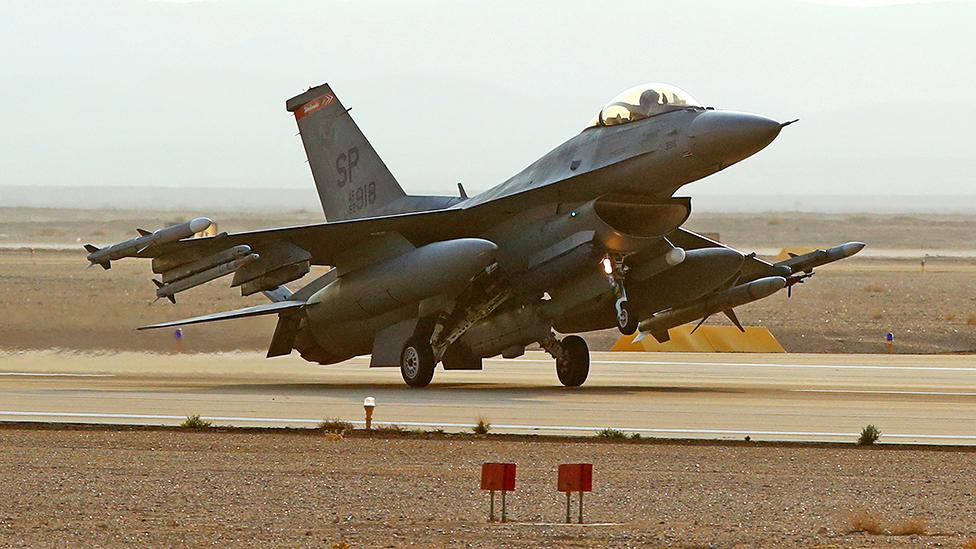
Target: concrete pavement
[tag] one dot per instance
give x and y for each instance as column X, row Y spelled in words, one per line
column 768, row 397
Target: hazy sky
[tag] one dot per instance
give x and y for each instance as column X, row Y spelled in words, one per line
column 192, row 93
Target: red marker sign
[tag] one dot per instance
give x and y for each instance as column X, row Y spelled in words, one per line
column 575, row 477
column 497, row 476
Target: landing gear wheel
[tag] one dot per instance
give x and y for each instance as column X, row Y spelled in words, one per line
column 572, row 370
column 417, row 362
column 626, row 319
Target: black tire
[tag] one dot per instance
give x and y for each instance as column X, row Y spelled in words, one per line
column 417, row 362
column 626, row 319
column 572, row 372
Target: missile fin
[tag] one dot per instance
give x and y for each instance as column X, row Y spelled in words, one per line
column 143, row 232
column 730, row 313
column 91, row 248
column 170, row 297
column 700, row 322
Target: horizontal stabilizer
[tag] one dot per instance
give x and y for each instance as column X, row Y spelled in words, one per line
column 257, row 310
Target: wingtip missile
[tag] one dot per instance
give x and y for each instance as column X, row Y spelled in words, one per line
column 146, row 240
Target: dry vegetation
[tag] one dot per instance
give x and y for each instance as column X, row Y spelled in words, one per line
column 873, row 523
column 335, row 426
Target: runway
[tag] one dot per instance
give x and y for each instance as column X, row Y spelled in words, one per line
column 910, row 398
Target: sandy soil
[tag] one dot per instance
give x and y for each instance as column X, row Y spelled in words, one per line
column 50, row 299
column 112, row 487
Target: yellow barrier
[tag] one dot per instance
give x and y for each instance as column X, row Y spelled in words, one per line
column 708, row 339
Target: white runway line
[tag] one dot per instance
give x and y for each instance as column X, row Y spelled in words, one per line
column 564, row 428
column 763, row 365
column 878, row 392
column 48, row 374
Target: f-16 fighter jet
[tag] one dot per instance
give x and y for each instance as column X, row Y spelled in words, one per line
column 587, row 237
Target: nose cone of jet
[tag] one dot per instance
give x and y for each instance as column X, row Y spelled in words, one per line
column 725, row 137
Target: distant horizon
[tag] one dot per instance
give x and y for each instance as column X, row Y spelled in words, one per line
column 286, row 200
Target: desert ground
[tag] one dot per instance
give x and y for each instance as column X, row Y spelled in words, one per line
column 50, row 298
column 118, row 486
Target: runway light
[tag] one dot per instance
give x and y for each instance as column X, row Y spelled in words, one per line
column 368, row 404
column 607, row 265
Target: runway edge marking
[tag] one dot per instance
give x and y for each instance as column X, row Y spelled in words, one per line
column 767, row 365
column 511, row 427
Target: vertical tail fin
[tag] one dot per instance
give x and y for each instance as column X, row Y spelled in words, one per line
column 351, row 179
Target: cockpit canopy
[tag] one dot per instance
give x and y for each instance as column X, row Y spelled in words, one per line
column 642, row 102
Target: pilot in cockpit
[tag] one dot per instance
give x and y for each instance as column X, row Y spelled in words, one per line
column 640, row 102
column 649, row 100
column 648, row 104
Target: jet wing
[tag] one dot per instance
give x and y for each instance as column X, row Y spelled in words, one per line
column 266, row 259
column 326, row 241
column 257, row 310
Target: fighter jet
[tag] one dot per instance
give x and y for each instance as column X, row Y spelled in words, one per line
column 587, row 237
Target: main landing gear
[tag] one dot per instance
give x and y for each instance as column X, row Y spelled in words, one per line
column 572, row 359
column 417, row 362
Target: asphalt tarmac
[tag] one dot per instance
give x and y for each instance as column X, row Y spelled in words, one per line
column 910, row 398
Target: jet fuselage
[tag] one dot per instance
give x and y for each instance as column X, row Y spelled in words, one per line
column 644, row 161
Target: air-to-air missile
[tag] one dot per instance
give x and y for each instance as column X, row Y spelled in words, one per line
column 170, row 290
column 200, row 265
column 659, row 324
column 806, row 262
column 135, row 246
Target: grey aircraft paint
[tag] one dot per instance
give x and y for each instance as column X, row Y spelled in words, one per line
column 587, row 237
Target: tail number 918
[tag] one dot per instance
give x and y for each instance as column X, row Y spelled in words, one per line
column 361, row 197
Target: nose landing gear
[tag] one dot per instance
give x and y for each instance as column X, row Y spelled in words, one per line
column 616, row 271
column 626, row 319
